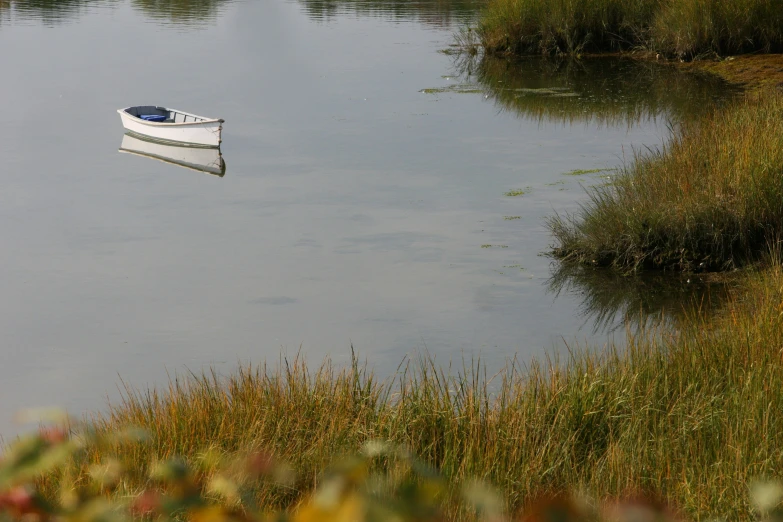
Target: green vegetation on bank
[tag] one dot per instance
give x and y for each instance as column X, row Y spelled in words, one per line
column 691, row 416
column 712, row 199
column 681, row 28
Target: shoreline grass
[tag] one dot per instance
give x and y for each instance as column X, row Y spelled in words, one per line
column 754, row 73
column 710, row 200
column 684, row 29
column 689, row 415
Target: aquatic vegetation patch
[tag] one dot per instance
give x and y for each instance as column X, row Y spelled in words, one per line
column 582, row 172
column 493, row 246
column 456, row 88
column 517, row 192
column 511, row 218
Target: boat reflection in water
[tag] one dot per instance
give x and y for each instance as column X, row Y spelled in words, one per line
column 201, row 159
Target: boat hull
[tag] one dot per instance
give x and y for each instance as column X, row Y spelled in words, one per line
column 204, row 133
column 202, row 159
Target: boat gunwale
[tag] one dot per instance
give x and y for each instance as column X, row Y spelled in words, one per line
column 171, row 124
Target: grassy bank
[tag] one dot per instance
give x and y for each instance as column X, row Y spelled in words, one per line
column 754, row 73
column 691, row 416
column 712, row 199
column 681, row 28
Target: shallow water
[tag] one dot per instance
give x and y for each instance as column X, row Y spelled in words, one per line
column 363, row 202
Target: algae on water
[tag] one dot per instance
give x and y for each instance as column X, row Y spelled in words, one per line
column 582, row 172
column 460, row 88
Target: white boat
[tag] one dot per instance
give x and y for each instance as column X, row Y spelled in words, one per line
column 202, row 159
column 172, row 126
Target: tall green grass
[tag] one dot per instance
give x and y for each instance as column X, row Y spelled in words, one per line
column 690, row 27
column 683, row 28
column 563, row 26
column 691, row 416
column 712, row 199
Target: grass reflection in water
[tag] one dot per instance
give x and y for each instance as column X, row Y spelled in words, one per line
column 604, row 91
column 612, row 301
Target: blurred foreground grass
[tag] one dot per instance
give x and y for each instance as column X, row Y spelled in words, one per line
column 381, row 483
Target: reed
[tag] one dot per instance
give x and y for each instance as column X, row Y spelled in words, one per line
column 712, row 199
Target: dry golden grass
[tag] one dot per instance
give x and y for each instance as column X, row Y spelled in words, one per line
column 691, row 416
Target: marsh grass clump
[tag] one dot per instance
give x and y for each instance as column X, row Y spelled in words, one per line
column 710, row 200
column 677, row 28
column 563, row 26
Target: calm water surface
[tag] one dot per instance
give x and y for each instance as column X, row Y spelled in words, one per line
column 363, row 201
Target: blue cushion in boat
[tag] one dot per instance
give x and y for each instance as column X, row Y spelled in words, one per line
column 152, row 117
